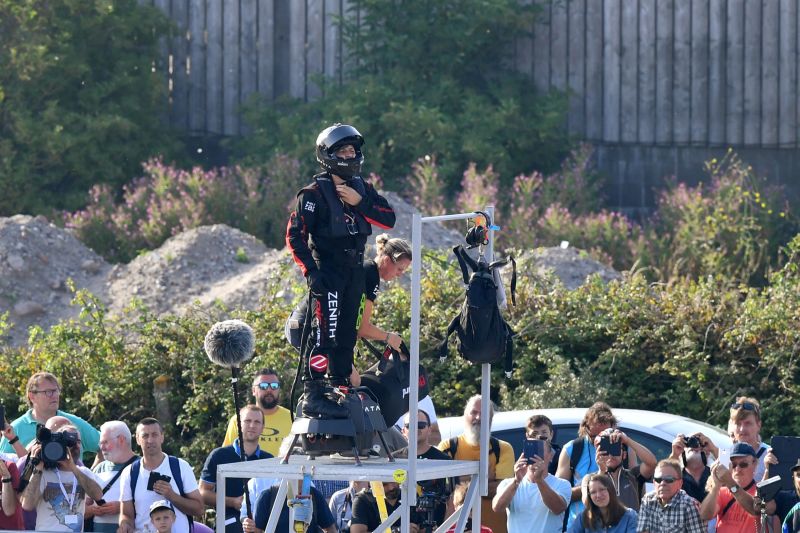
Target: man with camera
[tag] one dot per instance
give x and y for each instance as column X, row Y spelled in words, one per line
column 612, row 450
column 43, row 394
column 157, row 476
column 534, row 499
column 731, row 496
column 693, row 452
column 57, row 487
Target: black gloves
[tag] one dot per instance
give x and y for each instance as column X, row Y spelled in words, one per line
column 316, row 283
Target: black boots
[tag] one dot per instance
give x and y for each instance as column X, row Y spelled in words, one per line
column 318, row 404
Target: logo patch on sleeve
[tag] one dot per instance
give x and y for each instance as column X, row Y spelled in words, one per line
column 310, row 206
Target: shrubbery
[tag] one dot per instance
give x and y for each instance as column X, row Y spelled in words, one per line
column 687, row 347
column 167, row 201
column 80, row 103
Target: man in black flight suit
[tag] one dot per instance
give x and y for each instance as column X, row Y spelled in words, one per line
column 327, row 233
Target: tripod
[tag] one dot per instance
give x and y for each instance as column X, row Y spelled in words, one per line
column 764, row 520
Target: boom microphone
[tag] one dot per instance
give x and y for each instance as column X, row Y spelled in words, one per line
column 229, row 343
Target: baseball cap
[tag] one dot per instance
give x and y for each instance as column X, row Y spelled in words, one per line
column 741, row 449
column 161, row 504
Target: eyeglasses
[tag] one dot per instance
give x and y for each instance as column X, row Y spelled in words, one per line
column 266, row 385
column 747, row 406
column 664, row 479
column 421, row 424
column 740, row 465
column 49, row 392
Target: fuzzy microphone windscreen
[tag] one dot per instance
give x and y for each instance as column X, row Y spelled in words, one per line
column 229, row 343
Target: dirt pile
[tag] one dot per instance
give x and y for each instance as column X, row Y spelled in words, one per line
column 208, row 264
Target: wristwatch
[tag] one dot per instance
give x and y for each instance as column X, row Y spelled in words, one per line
column 734, row 489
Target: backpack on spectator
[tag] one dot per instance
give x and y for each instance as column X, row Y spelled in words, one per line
column 483, row 334
column 175, row 470
column 493, row 442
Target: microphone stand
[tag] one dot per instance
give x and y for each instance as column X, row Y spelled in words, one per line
column 242, row 453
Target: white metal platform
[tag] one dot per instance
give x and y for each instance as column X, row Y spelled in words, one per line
column 373, row 469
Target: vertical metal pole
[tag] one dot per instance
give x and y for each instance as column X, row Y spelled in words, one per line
column 486, row 370
column 410, row 486
column 221, row 480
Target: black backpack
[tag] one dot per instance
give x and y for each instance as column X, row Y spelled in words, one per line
column 483, row 334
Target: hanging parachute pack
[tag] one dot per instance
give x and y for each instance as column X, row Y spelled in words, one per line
column 483, row 334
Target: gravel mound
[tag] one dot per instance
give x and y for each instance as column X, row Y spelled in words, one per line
column 208, row 265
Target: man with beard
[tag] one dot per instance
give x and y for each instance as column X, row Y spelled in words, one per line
column 668, row 509
column 692, row 452
column 366, row 515
column 501, row 458
column 277, row 419
column 115, row 443
column 252, row 426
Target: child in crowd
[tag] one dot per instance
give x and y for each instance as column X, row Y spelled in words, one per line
column 162, row 516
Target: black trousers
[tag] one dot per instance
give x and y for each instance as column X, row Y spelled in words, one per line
column 336, row 315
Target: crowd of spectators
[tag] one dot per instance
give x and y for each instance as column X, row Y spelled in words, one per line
column 596, row 482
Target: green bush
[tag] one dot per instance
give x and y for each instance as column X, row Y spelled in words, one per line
column 687, row 347
column 429, row 82
column 166, row 201
column 79, row 101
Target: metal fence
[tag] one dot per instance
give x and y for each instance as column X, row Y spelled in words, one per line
column 659, row 82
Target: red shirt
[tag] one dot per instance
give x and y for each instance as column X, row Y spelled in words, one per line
column 735, row 519
column 14, row 521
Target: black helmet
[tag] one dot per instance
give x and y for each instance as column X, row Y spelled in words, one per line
column 331, row 139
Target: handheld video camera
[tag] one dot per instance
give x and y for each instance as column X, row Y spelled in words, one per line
column 55, row 446
column 155, row 476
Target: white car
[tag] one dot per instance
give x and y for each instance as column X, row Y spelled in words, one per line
column 654, row 430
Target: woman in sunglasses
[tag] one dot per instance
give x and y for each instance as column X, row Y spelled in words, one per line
column 603, row 511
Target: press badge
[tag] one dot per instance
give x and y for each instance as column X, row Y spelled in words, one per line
column 71, row 519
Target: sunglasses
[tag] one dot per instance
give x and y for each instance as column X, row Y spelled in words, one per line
column 740, row 465
column 747, row 406
column 266, row 385
column 664, row 479
column 421, row 424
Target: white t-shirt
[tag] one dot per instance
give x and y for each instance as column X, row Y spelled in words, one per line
column 426, row 404
column 527, row 513
column 105, row 472
column 143, row 498
column 63, row 501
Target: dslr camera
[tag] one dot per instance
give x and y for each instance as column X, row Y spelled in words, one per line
column 155, row 476
column 55, row 446
column 692, row 442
